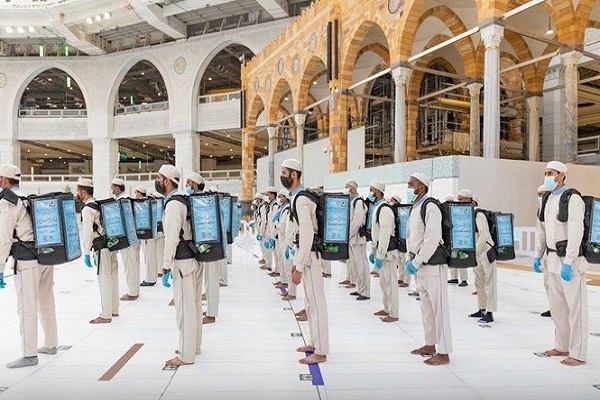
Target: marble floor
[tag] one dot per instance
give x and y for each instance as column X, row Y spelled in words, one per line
column 250, row 352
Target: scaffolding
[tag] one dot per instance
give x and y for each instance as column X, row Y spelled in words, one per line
column 379, row 131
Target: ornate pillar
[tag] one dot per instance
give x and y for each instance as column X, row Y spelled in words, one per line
column 300, row 119
column 474, row 123
column 401, row 76
column 105, row 153
column 533, row 127
column 271, row 131
column 187, row 153
column 569, row 135
column 10, row 152
column 338, row 132
column 248, row 141
column 491, row 36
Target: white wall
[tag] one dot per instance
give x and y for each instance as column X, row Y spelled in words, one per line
column 219, row 115
column 152, row 123
column 52, row 129
column 316, row 163
column 356, row 148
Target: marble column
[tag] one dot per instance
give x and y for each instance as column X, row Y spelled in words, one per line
column 271, row 131
column 533, row 127
column 569, row 137
column 187, row 153
column 474, row 120
column 248, row 142
column 300, row 119
column 401, row 76
column 491, row 36
column 105, row 153
column 10, row 153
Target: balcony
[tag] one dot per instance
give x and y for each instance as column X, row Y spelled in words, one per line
column 219, row 111
column 52, row 124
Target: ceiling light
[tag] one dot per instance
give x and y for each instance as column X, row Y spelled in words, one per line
column 286, row 98
column 549, row 31
column 60, row 158
column 29, row 150
column 51, row 160
column 146, row 142
column 84, row 154
column 107, row 15
column 50, row 79
column 31, row 29
column 47, row 98
column 314, row 82
column 89, row 20
column 45, row 154
column 160, row 93
column 98, row 18
column 211, row 156
column 210, row 79
column 230, row 149
column 143, row 73
column 20, row 29
column 9, row 29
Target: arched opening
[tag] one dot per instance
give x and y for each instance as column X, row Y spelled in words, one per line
column 53, row 89
column 223, row 73
column 314, row 87
column 142, row 89
column 379, row 129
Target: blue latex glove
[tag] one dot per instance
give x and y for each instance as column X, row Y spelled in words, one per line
column 372, row 258
column 87, row 261
column 259, row 238
column 565, row 272
column 293, row 251
column 2, row 284
column 287, row 253
column 410, row 267
column 378, row 263
column 165, row 279
column 251, row 224
column 276, row 216
column 537, row 263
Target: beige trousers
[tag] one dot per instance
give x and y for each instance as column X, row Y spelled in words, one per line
column 569, row 309
column 35, row 300
column 223, row 273
column 403, row 274
column 108, row 279
column 131, row 262
column 187, row 297
column 149, row 249
column 287, row 277
column 388, row 281
column 327, row 267
column 160, row 251
column 360, row 266
column 435, row 310
column 455, row 273
column 211, row 281
column 316, row 305
column 486, row 284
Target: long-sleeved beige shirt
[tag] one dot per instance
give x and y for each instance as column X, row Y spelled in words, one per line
column 382, row 231
column 307, row 227
column 263, row 220
column 552, row 231
column 271, row 224
column 483, row 237
column 13, row 218
column 175, row 220
column 284, row 218
column 423, row 239
column 90, row 217
column 358, row 216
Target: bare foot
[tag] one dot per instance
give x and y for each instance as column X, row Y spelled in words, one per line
column 556, row 353
column 100, row 320
column 403, row 284
column 305, row 349
column 572, row 362
column 288, row 297
column 208, row 320
column 302, row 317
column 350, row 286
column 313, row 359
column 438, row 359
column 381, row 313
column 175, row 362
column 389, row 319
column 424, row 351
column 299, row 313
column 204, row 296
column 344, row 282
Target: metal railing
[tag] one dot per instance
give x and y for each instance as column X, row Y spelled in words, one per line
column 52, row 178
column 216, row 98
column 140, row 108
column 52, row 113
column 220, row 175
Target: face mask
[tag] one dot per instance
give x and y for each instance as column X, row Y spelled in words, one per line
column 539, row 201
column 189, row 190
column 159, row 187
column 346, row 191
column 286, row 181
column 371, row 197
column 411, row 196
column 550, row 183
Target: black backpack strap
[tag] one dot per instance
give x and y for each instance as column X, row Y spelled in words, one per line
column 293, row 210
column 563, row 206
column 424, row 206
column 94, row 206
column 542, row 209
column 183, row 200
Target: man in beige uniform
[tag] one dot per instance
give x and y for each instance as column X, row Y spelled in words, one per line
column 540, row 193
column 279, row 224
column 108, row 266
column 308, row 265
column 263, row 216
column 567, row 283
column 131, row 254
column 288, row 230
column 404, row 277
column 270, row 231
column 383, row 256
column 160, row 236
column 33, row 282
column 422, row 241
column 211, row 282
column 148, row 248
column 486, row 283
column 186, row 273
column 358, row 267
